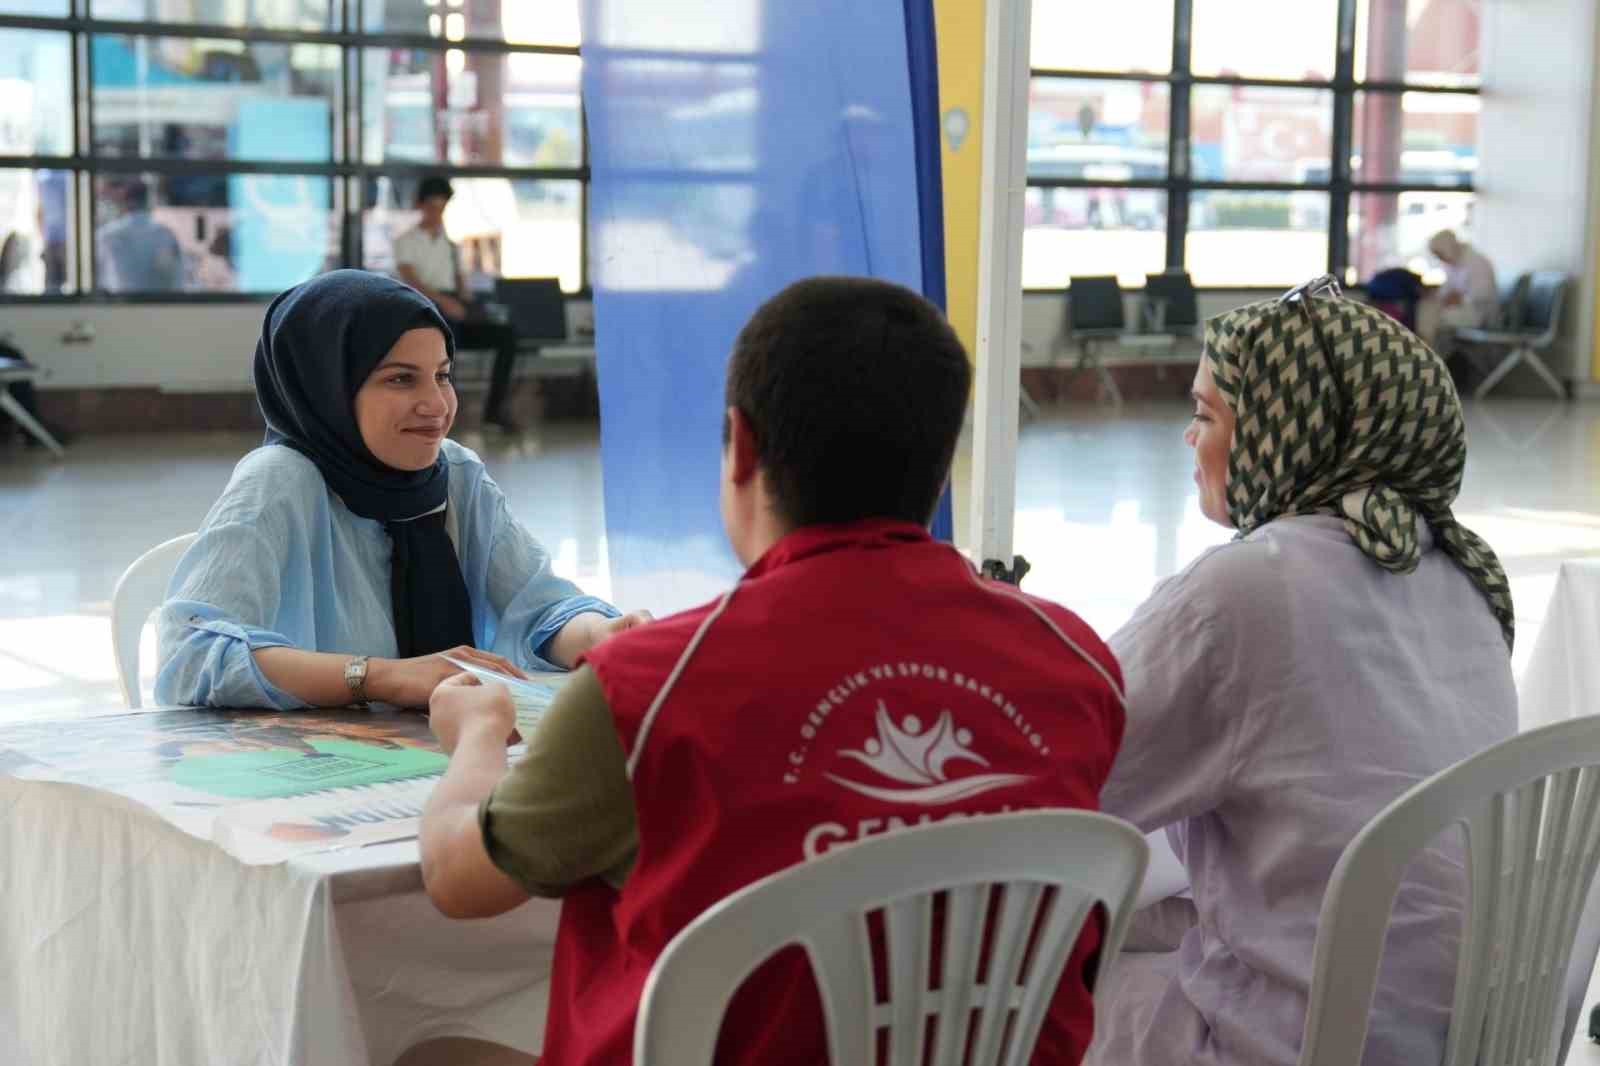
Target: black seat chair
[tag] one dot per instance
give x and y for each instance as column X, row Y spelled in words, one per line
column 537, row 309
column 1095, row 315
column 1170, row 304
column 1531, row 325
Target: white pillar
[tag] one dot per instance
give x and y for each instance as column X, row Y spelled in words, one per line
column 999, row 332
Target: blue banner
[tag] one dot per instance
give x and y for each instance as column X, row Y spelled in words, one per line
column 735, row 146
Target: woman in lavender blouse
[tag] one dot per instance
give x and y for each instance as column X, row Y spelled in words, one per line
column 1352, row 640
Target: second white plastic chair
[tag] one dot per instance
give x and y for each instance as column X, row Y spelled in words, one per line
column 1531, row 808
column 824, row 904
column 139, row 591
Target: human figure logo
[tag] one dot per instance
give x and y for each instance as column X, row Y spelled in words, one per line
column 918, row 761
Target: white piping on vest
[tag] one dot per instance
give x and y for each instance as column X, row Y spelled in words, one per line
column 672, row 679
column 1001, row 589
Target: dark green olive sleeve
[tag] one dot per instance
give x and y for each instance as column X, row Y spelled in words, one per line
column 564, row 813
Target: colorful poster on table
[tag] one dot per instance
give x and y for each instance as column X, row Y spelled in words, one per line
column 734, row 148
column 265, row 786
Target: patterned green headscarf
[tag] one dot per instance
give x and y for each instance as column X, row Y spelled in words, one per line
column 1376, row 437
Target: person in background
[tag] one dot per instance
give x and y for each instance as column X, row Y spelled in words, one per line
column 694, row 756
column 135, row 253
column 1351, row 641
column 1468, row 297
column 52, row 218
column 358, row 543
column 427, row 260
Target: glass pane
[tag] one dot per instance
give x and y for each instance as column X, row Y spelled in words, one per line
column 1415, row 138
column 36, row 218
column 1390, row 229
column 1241, row 239
column 40, row 8
column 35, row 93
column 1092, row 231
column 552, row 22
column 188, row 98
column 471, row 108
column 1247, row 133
column 255, row 233
column 256, row 14
column 1418, row 41
column 1265, row 38
column 503, row 227
column 1068, row 35
column 1102, row 130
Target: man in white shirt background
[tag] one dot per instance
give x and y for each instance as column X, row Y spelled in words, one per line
column 426, row 260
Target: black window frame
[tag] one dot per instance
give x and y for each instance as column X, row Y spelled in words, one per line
column 1342, row 187
column 347, row 172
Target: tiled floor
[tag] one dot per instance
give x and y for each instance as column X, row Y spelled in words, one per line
column 1105, row 507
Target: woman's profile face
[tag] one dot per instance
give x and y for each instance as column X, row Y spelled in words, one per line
column 407, row 404
column 1210, row 434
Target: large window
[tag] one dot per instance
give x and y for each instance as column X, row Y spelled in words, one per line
column 1253, row 143
column 212, row 149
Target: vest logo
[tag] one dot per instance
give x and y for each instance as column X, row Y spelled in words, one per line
column 918, row 762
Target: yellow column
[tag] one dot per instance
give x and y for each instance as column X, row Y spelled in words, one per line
column 1594, row 358
column 959, row 26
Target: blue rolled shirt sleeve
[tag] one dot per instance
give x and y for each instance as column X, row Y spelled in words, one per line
column 212, row 662
column 533, row 601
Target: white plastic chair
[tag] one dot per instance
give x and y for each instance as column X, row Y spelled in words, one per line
column 139, row 591
column 823, row 905
column 1531, row 810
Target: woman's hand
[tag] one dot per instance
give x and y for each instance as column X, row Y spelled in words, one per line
column 410, row 682
column 584, row 631
column 462, row 707
column 610, row 627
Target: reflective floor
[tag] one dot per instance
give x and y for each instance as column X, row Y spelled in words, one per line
column 1105, row 507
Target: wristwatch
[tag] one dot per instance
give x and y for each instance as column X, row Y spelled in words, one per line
column 355, row 677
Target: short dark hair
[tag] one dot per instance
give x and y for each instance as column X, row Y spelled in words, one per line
column 136, row 196
column 434, row 186
column 855, row 390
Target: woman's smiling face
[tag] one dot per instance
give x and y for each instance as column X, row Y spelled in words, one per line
column 408, row 404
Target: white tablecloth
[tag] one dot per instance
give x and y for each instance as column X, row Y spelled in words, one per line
column 124, row 939
column 1562, row 679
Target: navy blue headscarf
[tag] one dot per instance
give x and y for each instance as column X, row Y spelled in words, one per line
column 319, row 343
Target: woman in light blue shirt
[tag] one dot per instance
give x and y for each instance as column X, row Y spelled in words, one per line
column 359, row 543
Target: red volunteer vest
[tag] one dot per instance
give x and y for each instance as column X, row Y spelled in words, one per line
column 858, row 680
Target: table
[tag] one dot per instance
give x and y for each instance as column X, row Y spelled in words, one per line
column 131, row 934
column 1562, row 679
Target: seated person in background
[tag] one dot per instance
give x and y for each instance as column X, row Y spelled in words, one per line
column 135, row 252
column 1352, row 640
column 1468, row 296
column 426, row 260
column 358, row 542
column 698, row 754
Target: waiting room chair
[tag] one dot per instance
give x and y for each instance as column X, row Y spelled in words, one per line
column 140, row 590
column 1095, row 315
column 1531, row 810
column 1532, row 330
column 1170, row 304
column 537, row 309
column 12, row 369
column 824, row 904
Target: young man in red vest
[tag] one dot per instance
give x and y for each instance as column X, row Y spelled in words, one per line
column 859, row 678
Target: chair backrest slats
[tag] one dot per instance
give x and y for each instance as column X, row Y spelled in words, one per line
column 990, row 907
column 1531, row 810
column 909, row 924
